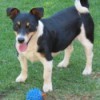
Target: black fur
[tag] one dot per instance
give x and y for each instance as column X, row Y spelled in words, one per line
column 32, row 18
column 23, row 19
column 89, row 26
column 85, row 3
column 62, row 28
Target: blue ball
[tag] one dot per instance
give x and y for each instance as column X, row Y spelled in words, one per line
column 34, row 94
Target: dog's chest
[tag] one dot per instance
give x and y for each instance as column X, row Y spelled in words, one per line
column 31, row 55
column 31, row 52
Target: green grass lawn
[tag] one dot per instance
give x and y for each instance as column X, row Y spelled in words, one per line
column 68, row 84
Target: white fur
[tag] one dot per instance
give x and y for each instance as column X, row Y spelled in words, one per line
column 40, row 29
column 80, row 8
column 48, row 65
column 23, row 75
column 88, row 50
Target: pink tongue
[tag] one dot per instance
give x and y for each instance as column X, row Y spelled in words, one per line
column 23, row 47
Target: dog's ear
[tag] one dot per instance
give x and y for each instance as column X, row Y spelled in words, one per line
column 12, row 12
column 38, row 12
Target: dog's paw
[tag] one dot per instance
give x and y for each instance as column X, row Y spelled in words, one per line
column 87, row 71
column 62, row 64
column 21, row 78
column 47, row 87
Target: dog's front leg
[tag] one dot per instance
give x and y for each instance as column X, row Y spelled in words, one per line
column 46, row 59
column 23, row 75
column 47, row 75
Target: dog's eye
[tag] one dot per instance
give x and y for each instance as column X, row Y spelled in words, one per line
column 17, row 25
column 27, row 25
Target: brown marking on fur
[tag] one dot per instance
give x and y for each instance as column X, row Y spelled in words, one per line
column 42, row 54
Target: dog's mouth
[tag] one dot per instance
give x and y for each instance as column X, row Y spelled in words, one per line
column 22, row 47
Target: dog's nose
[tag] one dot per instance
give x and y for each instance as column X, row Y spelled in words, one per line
column 21, row 39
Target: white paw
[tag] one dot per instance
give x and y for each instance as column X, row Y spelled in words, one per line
column 62, row 64
column 47, row 87
column 21, row 78
column 87, row 71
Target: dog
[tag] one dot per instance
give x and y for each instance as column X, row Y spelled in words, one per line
column 38, row 39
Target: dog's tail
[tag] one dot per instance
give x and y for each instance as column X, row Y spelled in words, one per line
column 82, row 6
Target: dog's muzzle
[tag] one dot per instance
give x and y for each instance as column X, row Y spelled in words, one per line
column 22, row 42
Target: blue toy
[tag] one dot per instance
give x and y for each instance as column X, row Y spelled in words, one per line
column 34, row 94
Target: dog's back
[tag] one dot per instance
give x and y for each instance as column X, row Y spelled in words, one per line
column 66, row 25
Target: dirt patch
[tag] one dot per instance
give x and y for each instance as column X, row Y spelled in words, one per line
column 2, row 95
column 96, row 75
column 62, row 96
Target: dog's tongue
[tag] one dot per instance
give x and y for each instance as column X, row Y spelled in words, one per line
column 23, row 47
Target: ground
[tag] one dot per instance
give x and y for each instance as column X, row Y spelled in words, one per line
column 68, row 83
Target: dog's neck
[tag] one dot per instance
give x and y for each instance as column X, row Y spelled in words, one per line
column 39, row 31
column 37, row 34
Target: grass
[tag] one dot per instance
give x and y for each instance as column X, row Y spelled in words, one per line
column 68, row 84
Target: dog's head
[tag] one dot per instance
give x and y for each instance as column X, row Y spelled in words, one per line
column 25, row 24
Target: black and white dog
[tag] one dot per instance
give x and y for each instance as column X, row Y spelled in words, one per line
column 39, row 39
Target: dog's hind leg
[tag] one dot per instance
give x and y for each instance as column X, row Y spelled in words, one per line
column 65, row 61
column 88, row 51
column 89, row 56
column 23, row 75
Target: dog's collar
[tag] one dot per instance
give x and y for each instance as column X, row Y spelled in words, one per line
column 29, row 39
